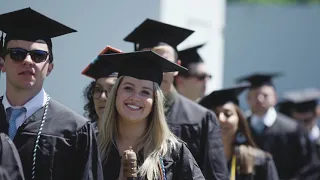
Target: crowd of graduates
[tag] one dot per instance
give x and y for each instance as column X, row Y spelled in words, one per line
column 150, row 101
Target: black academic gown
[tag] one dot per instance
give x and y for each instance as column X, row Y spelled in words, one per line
column 264, row 169
column 312, row 170
column 287, row 143
column 200, row 129
column 309, row 172
column 10, row 163
column 178, row 165
column 67, row 147
column 4, row 175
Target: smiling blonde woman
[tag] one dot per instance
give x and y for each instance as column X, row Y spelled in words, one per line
column 134, row 117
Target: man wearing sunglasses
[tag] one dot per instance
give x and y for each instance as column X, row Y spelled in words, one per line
column 192, row 84
column 53, row 141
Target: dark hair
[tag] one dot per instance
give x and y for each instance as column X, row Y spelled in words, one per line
column 89, row 111
column 243, row 127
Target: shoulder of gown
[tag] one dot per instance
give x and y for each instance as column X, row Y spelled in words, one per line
column 286, row 122
column 189, row 111
column 64, row 128
column 62, row 112
column 61, row 121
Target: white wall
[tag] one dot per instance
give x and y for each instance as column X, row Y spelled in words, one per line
column 207, row 19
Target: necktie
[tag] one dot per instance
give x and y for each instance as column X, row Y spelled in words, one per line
column 14, row 114
column 259, row 126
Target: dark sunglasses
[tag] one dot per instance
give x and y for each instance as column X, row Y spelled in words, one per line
column 200, row 77
column 19, row 54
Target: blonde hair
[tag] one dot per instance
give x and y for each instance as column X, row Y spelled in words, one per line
column 156, row 141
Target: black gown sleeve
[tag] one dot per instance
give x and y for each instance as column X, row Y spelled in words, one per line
column 214, row 164
column 88, row 156
column 272, row 173
column 188, row 169
column 309, row 172
column 3, row 120
column 10, row 163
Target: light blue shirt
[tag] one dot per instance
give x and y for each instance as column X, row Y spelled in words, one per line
column 31, row 106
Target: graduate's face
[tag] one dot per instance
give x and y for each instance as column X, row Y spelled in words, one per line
column 262, row 98
column 134, row 99
column 228, row 118
column 26, row 74
column 100, row 93
column 308, row 119
column 193, row 86
column 168, row 53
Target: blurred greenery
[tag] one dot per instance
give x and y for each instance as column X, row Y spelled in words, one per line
column 276, row 1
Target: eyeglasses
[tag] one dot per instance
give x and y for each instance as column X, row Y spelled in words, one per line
column 97, row 92
column 19, row 54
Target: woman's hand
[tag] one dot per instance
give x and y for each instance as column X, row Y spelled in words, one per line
column 246, row 156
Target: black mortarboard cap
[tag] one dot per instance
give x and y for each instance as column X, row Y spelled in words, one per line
column 302, row 101
column 96, row 69
column 220, row 97
column 259, row 79
column 151, row 33
column 190, row 55
column 28, row 24
column 146, row 65
column 284, row 107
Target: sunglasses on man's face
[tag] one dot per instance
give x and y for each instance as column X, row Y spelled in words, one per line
column 19, row 54
column 200, row 77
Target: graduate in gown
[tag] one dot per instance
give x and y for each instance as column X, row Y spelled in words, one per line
column 302, row 106
column 245, row 160
column 135, row 118
column 53, row 141
column 192, row 84
column 194, row 124
column 10, row 163
column 273, row 132
column 96, row 93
